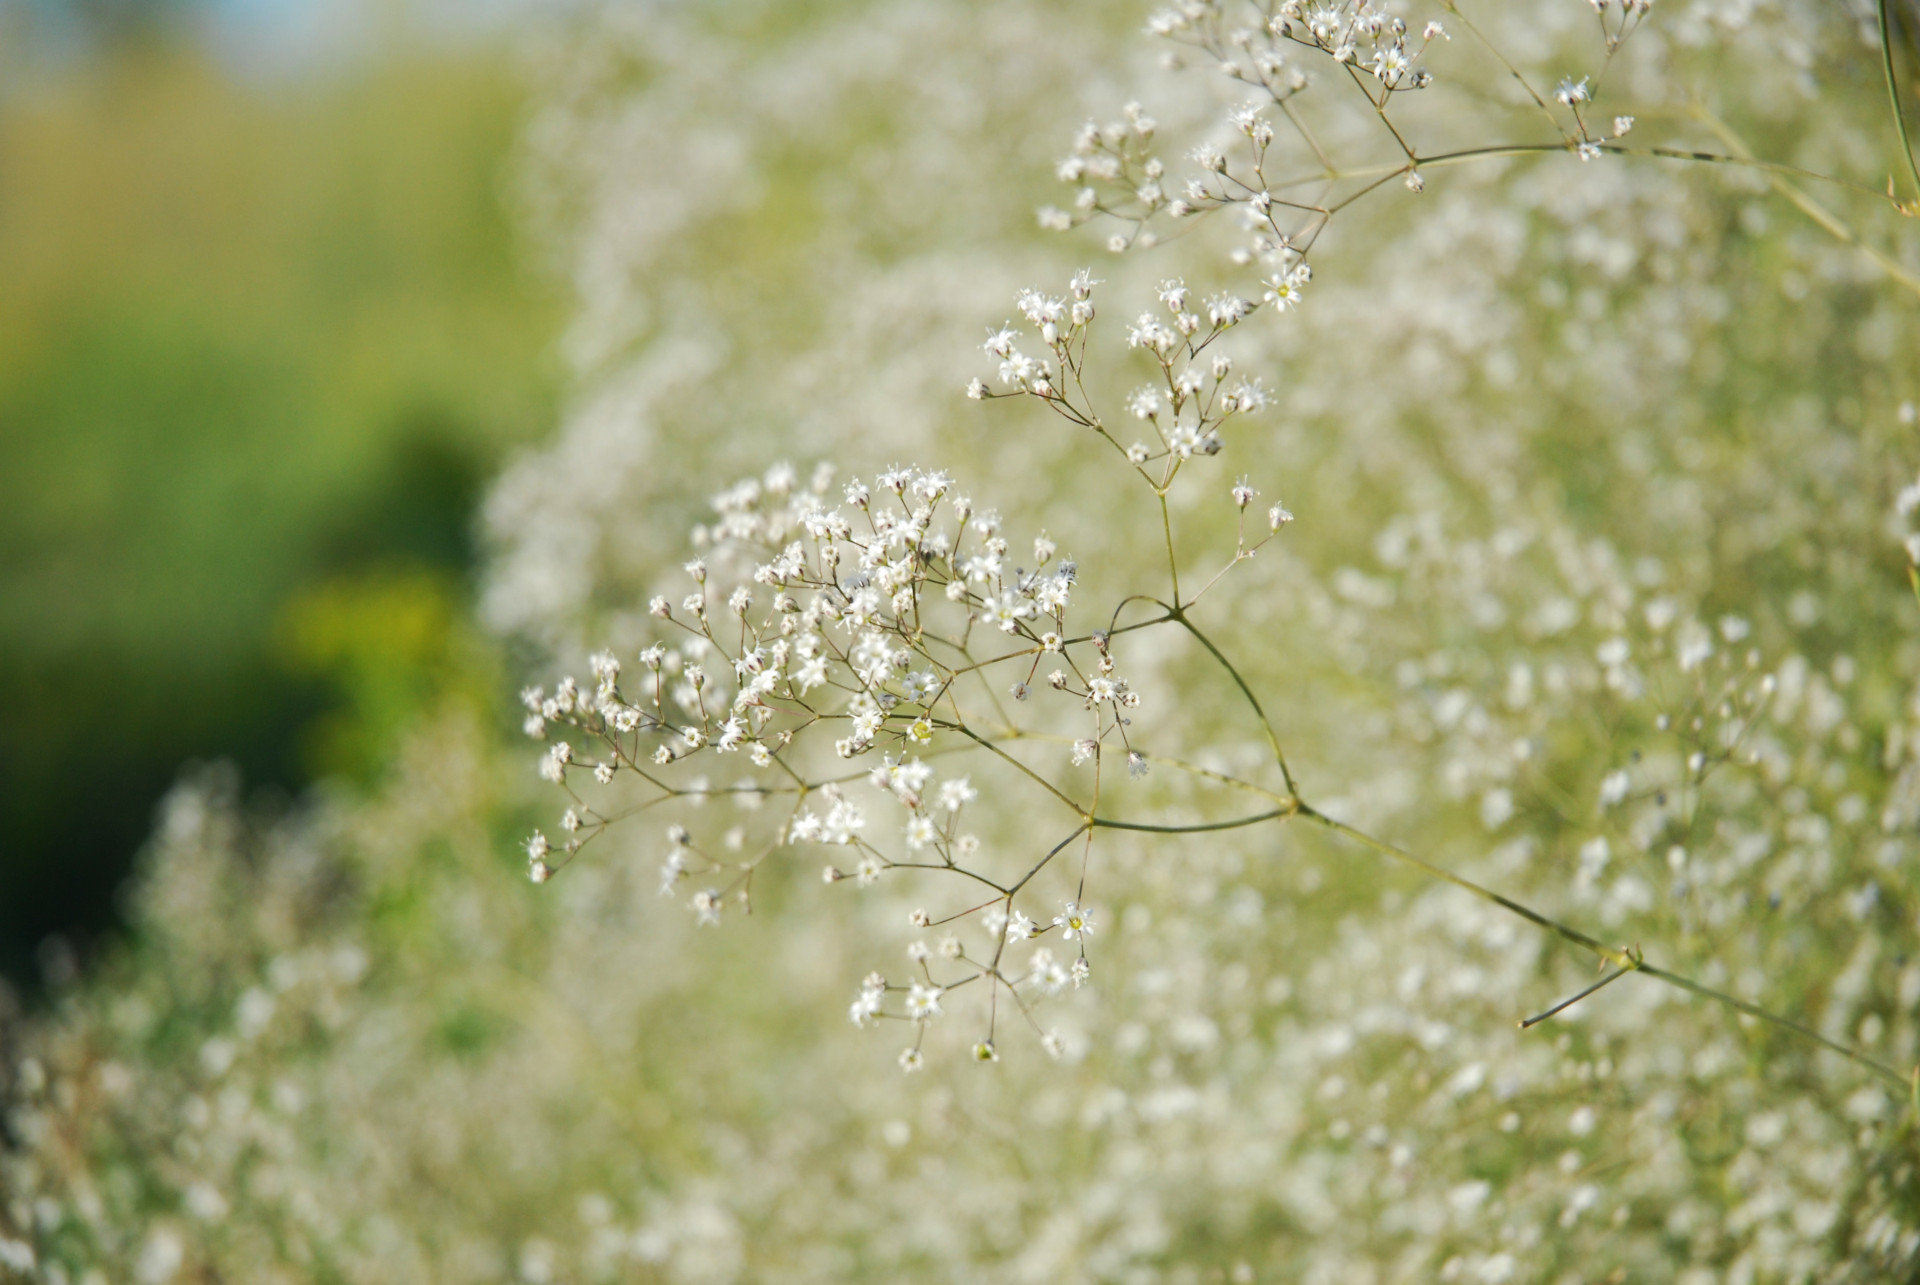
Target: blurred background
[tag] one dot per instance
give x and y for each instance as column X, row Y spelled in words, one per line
column 265, row 329
column 364, row 360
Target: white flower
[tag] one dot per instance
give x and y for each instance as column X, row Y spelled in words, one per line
column 873, row 992
column 923, row 1002
column 672, row 871
column 1144, row 403
column 1007, row 610
column 842, row 823
column 1046, row 973
column 1074, row 921
column 1283, row 292
column 957, row 793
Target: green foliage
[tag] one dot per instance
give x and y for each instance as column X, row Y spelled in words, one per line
column 253, row 337
column 390, row 643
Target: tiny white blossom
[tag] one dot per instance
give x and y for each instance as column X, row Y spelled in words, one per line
column 1571, row 91
column 957, row 793
column 1074, row 922
column 923, row 1002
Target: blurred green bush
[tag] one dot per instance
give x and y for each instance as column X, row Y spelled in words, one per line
column 252, row 337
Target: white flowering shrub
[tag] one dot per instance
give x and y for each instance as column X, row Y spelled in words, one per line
column 1505, row 871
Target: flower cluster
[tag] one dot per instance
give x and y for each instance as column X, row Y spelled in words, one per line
column 1570, row 444
column 883, row 624
column 1286, row 193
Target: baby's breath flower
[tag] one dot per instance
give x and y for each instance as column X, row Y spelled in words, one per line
column 923, row 1002
column 1074, row 922
column 1570, row 92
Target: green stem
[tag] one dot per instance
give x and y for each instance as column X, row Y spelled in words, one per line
column 1237, row 823
column 1893, row 98
column 1173, row 567
column 1266, row 724
column 1620, row 959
